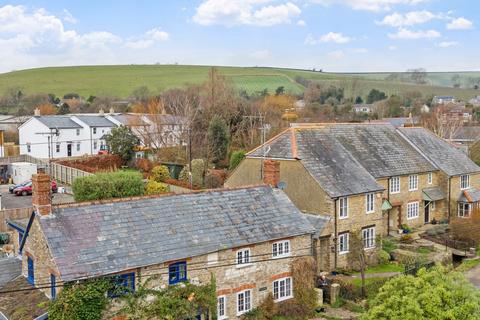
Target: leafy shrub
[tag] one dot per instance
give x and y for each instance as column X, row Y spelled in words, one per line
column 160, row 174
column 406, row 228
column 388, row 245
column 383, row 256
column 118, row 184
column 198, row 167
column 236, row 158
column 154, row 187
column 4, row 238
column 143, row 164
column 213, row 181
column 406, row 238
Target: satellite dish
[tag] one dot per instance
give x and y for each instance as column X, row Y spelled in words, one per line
column 282, row 185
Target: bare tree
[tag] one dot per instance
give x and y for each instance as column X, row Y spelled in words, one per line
column 439, row 122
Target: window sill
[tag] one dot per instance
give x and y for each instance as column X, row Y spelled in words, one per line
column 463, row 217
column 282, row 256
column 413, row 190
column 283, row 299
column 369, row 248
column 243, row 265
column 412, row 218
column 394, row 192
column 239, row 314
column 342, row 218
column 370, row 212
column 343, row 252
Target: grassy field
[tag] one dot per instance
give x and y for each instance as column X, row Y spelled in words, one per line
column 120, row 81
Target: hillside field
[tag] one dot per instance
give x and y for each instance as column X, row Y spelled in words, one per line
column 120, row 81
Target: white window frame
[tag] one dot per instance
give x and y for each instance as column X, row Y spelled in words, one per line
column 430, row 178
column 94, row 130
column 246, row 302
column 78, row 146
column 464, row 210
column 95, row 145
column 243, row 257
column 413, row 182
column 413, row 210
column 212, row 258
column 395, row 185
column 223, row 299
column 464, row 182
column 343, row 208
column 343, row 238
column 57, row 148
column 281, row 249
column 77, row 132
column 29, row 147
column 370, row 202
column 368, row 238
column 282, row 289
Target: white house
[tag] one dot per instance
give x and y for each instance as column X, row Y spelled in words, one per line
column 443, row 100
column 362, row 108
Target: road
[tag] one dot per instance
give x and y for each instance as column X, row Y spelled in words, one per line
column 10, row 201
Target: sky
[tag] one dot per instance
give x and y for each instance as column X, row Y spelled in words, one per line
column 333, row 35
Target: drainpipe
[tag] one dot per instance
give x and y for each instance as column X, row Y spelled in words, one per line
column 336, row 233
column 91, row 141
column 449, row 196
column 388, row 213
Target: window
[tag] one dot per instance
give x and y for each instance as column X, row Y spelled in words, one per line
column 281, row 249
column 94, row 130
column 78, row 146
column 243, row 256
column 122, row 284
column 177, row 272
column 465, row 182
column 57, row 147
column 412, row 210
column 430, row 178
column 78, row 132
column 29, row 147
column 368, row 235
column 395, row 185
column 53, row 286
column 343, row 208
column 370, row 203
column 464, row 209
column 343, row 242
column 30, row 271
column 212, row 258
column 413, row 182
column 282, row 289
column 221, row 307
column 243, row 302
column 95, row 145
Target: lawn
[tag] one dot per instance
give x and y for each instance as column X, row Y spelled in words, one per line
column 468, row 264
column 384, row 268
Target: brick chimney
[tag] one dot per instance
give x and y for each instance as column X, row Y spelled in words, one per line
column 271, row 172
column 42, row 194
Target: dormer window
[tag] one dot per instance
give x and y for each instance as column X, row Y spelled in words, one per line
column 465, row 182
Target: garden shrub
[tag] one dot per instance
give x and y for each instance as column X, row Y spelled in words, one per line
column 198, row 167
column 160, row 173
column 406, row 238
column 154, row 187
column 236, row 158
column 213, row 181
column 388, row 245
column 143, row 164
column 4, row 238
column 117, row 184
column 383, row 257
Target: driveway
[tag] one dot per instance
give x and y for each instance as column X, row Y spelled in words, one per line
column 10, row 201
column 473, row 275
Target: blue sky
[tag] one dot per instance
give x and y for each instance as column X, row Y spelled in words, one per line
column 334, row 35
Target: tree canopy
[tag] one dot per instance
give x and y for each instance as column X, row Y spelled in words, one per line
column 121, row 141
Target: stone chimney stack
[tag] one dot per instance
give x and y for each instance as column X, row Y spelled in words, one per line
column 36, row 112
column 112, row 111
column 42, row 194
column 271, row 172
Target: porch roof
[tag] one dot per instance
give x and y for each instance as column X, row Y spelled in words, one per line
column 470, row 195
column 433, row 194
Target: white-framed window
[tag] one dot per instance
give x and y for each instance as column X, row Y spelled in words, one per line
column 465, row 182
column 395, row 185
column 343, row 208
column 343, row 242
column 413, row 182
column 432, row 205
column 94, row 130
column 413, row 210
column 57, row 147
column 282, row 289
column 430, row 178
column 281, row 249
column 221, row 307
column 244, row 304
column 464, row 209
column 77, row 132
column 78, row 146
column 370, row 202
column 95, row 144
column 368, row 236
column 243, row 256
column 212, row 258
column 29, row 147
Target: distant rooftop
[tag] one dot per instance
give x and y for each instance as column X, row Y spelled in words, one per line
column 58, row 122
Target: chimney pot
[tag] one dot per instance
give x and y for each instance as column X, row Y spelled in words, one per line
column 112, row 111
column 271, row 172
column 41, row 194
column 36, row 112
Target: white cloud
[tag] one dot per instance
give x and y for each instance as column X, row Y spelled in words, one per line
column 447, row 44
column 460, row 24
column 409, row 19
column 301, row 23
column 406, row 34
column 335, row 37
column 337, row 54
column 148, row 40
column 245, row 12
column 370, row 5
column 68, row 17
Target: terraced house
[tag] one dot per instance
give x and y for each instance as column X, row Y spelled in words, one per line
column 371, row 178
column 247, row 238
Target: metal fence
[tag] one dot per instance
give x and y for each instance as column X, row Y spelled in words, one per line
column 412, row 269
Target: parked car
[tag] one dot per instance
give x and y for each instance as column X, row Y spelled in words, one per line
column 24, row 183
column 27, row 189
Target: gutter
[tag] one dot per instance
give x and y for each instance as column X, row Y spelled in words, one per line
column 335, row 239
column 449, row 196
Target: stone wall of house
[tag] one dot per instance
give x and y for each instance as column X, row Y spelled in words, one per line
column 230, row 278
column 455, row 191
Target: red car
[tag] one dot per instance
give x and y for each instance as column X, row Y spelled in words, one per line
column 26, row 189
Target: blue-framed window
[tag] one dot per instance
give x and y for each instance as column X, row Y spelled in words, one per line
column 177, row 272
column 53, row 286
column 31, row 272
column 122, row 285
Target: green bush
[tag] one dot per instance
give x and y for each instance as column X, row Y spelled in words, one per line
column 388, row 245
column 383, row 257
column 236, row 158
column 117, row 184
column 4, row 238
column 160, row 174
column 154, row 187
column 213, row 181
column 198, row 167
column 406, row 238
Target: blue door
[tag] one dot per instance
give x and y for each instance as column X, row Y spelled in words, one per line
column 53, row 288
column 31, row 274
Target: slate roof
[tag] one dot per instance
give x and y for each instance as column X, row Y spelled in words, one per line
column 279, row 146
column 96, row 121
column 318, row 221
column 381, row 150
column 10, row 268
column 129, row 120
column 467, row 133
column 433, row 194
column 444, row 155
column 99, row 239
column 60, row 122
column 470, row 195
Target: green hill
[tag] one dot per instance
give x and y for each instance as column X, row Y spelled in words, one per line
column 120, row 81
